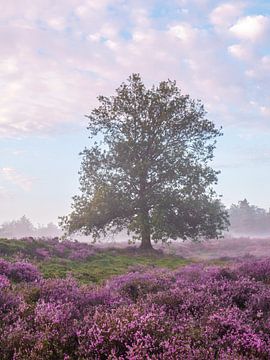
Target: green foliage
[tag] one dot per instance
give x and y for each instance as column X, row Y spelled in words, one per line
column 148, row 168
column 104, row 265
column 11, row 247
column 94, row 269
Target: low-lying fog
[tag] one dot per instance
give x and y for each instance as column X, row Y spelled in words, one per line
column 234, row 244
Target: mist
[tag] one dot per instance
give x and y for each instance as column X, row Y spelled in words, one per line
column 23, row 227
column 248, row 235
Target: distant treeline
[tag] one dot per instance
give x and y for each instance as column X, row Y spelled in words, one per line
column 23, row 227
column 245, row 219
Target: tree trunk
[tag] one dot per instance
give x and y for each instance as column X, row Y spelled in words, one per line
column 144, row 215
column 145, row 232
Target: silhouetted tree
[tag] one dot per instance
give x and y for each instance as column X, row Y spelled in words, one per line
column 148, row 167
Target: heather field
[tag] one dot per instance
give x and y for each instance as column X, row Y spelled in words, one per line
column 69, row 300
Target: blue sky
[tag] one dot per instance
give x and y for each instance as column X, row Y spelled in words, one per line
column 57, row 57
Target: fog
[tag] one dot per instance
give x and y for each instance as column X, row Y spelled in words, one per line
column 23, row 227
column 248, row 235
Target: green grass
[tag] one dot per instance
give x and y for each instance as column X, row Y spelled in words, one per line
column 105, row 265
column 97, row 268
column 11, row 247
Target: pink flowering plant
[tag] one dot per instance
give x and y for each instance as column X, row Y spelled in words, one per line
column 195, row 312
column 46, row 249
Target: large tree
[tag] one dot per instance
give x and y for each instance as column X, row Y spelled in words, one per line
column 148, row 167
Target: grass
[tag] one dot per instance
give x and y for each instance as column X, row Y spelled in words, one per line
column 105, row 265
column 11, row 247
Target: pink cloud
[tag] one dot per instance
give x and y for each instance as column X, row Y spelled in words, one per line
column 53, row 65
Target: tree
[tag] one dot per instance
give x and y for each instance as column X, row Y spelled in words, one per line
column 249, row 219
column 17, row 228
column 148, row 167
column 23, row 227
column 49, row 230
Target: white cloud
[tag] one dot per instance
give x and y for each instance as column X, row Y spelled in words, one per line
column 9, row 65
column 251, row 28
column 259, row 72
column 111, row 44
column 141, row 36
column 240, row 51
column 185, row 11
column 265, row 110
column 45, row 95
column 96, row 37
column 57, row 23
column 225, row 14
column 184, row 32
column 22, row 181
column 86, row 7
column 50, row 79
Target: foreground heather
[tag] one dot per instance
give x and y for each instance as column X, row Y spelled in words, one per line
column 196, row 312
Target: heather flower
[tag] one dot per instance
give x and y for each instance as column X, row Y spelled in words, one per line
column 258, row 270
column 197, row 312
column 43, row 253
column 4, row 267
column 23, row 271
column 4, row 282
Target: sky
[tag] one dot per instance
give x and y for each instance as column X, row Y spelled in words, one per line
column 56, row 57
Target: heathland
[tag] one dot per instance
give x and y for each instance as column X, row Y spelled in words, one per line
column 71, row 300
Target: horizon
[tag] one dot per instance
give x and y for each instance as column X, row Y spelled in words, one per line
column 57, row 58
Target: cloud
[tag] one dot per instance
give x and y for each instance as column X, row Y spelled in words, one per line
column 87, row 7
column 185, row 32
column 240, row 51
column 258, row 71
column 22, row 181
column 55, row 58
column 265, row 110
column 266, row 62
column 251, row 28
column 57, row 23
column 225, row 14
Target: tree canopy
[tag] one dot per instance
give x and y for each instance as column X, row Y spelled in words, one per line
column 147, row 168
